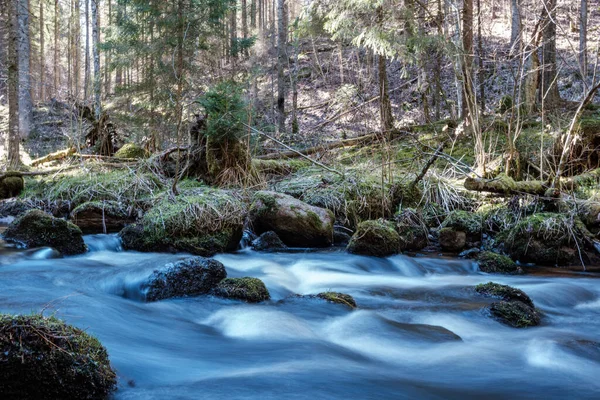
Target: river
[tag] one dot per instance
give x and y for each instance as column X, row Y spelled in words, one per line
column 420, row 330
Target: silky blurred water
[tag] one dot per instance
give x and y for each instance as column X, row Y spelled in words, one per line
column 420, row 330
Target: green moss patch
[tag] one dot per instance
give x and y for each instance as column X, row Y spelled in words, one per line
column 44, row 358
column 464, row 221
column 375, row 238
column 515, row 314
column 130, row 150
column 251, row 290
column 338, row 298
column 497, row 263
column 504, row 292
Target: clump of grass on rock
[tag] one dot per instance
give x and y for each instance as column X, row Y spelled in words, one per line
column 44, row 358
column 201, row 221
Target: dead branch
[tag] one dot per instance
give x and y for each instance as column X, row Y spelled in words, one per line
column 58, row 155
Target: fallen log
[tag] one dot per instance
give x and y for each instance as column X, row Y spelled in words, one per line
column 503, row 184
column 322, row 147
column 57, row 155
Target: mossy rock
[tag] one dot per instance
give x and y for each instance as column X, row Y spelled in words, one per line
column 515, row 314
column 412, row 229
column 452, row 240
column 268, row 241
column 44, row 358
column 130, row 150
column 190, row 277
column 497, row 263
column 15, row 208
column 464, row 221
column 297, row 223
column 11, row 185
column 201, row 221
column 338, row 298
column 496, row 217
column 250, row 290
column 35, row 228
column 375, row 238
column 545, row 239
column 96, row 216
column 504, row 292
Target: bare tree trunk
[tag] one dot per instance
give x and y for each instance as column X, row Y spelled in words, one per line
column 549, row 74
column 77, row 48
column 245, row 23
column 467, row 64
column 13, row 84
column 515, row 24
column 253, row 14
column 107, row 58
column 583, row 20
column 96, row 51
column 56, row 77
column 4, row 26
column 281, row 56
column 42, row 62
column 86, row 79
column 233, row 32
column 23, row 53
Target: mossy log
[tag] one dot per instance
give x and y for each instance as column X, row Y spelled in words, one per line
column 58, row 155
column 504, row 184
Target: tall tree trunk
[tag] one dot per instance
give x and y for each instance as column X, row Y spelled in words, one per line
column 253, row 14
column 96, row 51
column 245, row 23
column 77, row 48
column 385, row 106
column 107, row 58
column 467, row 62
column 56, row 77
column 549, row 71
column 42, row 95
column 13, row 83
column 281, row 56
column 515, row 25
column 233, row 32
column 23, row 53
column 86, row 79
column 583, row 20
column 4, row 26
column 480, row 55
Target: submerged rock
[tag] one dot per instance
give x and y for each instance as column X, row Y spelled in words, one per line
column 95, row 216
column 515, row 314
column 200, row 221
column 515, row 309
column 251, row 290
column 452, row 240
column 189, row 277
column 268, row 241
column 375, row 238
column 35, row 228
column 44, row 358
column 496, row 263
column 297, row 223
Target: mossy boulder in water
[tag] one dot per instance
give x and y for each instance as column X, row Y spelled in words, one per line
column 268, row 241
column 338, row 298
column 452, row 240
column 412, row 229
column 515, row 314
column 44, row 358
column 11, row 185
column 515, row 308
column 190, row 277
column 35, row 228
column 375, row 238
column 297, row 223
column 200, row 221
column 546, row 239
column 496, row 263
column 101, row 216
column 503, row 292
column 130, row 150
column 251, row 290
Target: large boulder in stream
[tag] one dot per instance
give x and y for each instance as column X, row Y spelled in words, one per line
column 297, row 223
column 546, row 239
column 201, row 221
column 375, row 238
column 190, row 277
column 102, row 217
column 268, row 241
column 35, row 228
column 250, row 290
column 44, row 358
column 515, row 308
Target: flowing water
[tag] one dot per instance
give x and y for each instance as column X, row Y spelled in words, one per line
column 420, row 330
